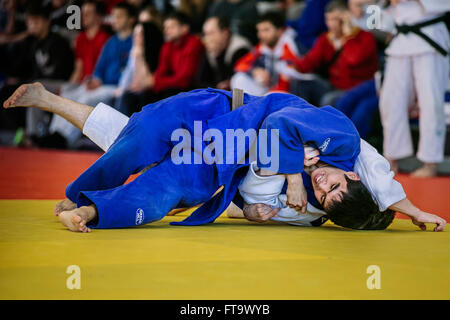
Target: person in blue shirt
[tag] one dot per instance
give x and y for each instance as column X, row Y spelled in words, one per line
column 150, row 141
column 310, row 24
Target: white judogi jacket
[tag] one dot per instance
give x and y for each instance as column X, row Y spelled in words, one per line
column 414, row 12
column 373, row 169
column 267, row 190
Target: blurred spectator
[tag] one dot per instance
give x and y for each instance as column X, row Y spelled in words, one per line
column 142, row 64
column 173, row 73
column 310, row 25
column 417, row 66
column 88, row 46
column 111, row 63
column 51, row 55
column 242, row 15
column 344, row 56
column 105, row 79
column 41, row 55
column 258, row 72
column 179, row 61
column 89, row 43
column 223, row 50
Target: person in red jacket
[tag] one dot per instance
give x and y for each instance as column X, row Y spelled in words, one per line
column 263, row 69
column 344, row 57
column 89, row 43
column 179, row 60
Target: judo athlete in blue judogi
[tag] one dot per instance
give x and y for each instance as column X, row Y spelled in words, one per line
column 104, row 201
column 146, row 140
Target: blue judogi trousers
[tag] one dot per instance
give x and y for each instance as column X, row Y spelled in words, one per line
column 152, row 194
column 146, row 140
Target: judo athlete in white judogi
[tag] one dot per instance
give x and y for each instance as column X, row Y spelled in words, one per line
column 269, row 192
column 417, row 67
column 167, row 185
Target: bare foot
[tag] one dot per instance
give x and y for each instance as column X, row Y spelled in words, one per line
column 233, row 211
column 65, row 205
column 27, row 95
column 394, row 165
column 427, row 171
column 76, row 219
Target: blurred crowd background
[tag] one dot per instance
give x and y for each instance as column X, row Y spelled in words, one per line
column 391, row 82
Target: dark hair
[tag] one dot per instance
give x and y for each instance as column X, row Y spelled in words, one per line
column 153, row 41
column 222, row 22
column 36, row 9
column 358, row 210
column 274, row 17
column 336, row 5
column 100, row 7
column 131, row 10
column 156, row 15
column 179, row 16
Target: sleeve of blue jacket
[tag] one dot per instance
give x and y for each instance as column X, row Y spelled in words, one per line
column 325, row 129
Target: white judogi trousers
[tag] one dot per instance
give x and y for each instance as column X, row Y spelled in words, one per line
column 424, row 76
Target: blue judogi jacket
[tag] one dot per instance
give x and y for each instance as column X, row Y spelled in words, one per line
column 298, row 123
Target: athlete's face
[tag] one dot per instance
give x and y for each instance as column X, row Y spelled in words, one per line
column 329, row 184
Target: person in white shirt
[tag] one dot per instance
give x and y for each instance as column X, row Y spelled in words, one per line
column 417, row 67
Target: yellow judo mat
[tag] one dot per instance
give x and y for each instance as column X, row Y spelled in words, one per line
column 230, row 259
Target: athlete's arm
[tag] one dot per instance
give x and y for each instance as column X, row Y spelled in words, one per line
column 418, row 216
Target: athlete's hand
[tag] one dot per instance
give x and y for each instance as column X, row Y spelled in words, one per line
column 311, row 156
column 423, row 217
column 296, row 192
column 259, row 212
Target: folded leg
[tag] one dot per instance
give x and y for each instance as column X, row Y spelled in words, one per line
column 152, row 195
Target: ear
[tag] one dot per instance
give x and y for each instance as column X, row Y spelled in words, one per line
column 352, row 175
